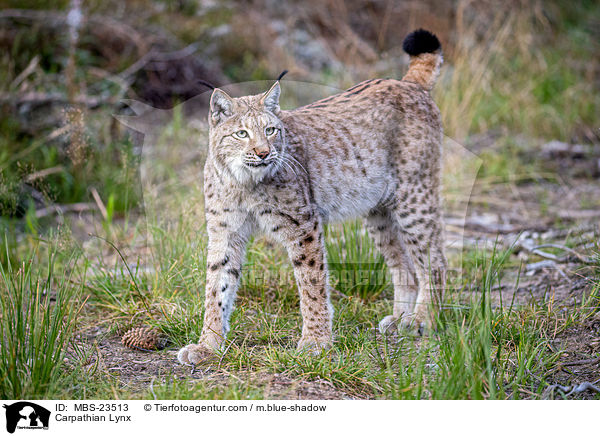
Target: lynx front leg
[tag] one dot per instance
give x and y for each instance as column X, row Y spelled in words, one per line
column 226, row 251
column 307, row 253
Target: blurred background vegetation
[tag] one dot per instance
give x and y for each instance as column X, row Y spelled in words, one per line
column 522, row 68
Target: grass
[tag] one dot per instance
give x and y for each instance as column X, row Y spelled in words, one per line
column 482, row 348
column 174, row 389
column 151, row 272
column 37, row 321
column 511, row 79
column 356, row 267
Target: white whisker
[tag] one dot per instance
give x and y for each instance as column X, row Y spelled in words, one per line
column 292, row 163
column 289, row 156
column 283, row 162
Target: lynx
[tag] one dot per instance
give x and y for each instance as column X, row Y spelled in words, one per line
column 372, row 151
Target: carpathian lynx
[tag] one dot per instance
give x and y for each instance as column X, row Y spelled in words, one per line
column 373, row 151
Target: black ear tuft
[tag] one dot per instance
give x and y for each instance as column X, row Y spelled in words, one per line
column 207, row 84
column 420, row 41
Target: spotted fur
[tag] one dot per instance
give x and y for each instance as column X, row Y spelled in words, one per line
column 373, row 150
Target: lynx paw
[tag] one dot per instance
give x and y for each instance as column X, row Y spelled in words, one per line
column 390, row 324
column 314, row 345
column 194, row 354
column 422, row 327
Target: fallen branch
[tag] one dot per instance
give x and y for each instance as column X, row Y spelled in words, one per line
column 44, row 173
column 570, row 390
column 528, row 246
column 544, row 264
column 580, row 256
column 582, row 362
column 579, row 214
column 40, row 98
column 65, row 208
column 99, row 203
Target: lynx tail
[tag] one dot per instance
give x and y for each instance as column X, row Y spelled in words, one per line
column 426, row 59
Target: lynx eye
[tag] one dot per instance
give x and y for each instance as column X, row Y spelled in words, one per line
column 241, row 134
column 270, row 131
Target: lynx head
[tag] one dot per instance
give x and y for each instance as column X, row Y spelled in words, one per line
column 246, row 137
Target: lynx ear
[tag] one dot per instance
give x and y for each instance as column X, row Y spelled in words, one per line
column 271, row 98
column 221, row 106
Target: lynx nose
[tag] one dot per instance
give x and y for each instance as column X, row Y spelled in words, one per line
column 262, row 152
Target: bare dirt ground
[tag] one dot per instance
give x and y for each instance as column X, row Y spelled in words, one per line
column 580, row 358
column 138, row 371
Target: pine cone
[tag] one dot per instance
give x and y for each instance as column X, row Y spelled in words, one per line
column 143, row 338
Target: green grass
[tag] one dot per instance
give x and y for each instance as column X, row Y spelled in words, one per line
column 174, row 389
column 481, row 349
column 153, row 273
column 37, row 321
column 356, row 267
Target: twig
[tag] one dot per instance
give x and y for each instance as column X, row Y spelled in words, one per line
column 567, row 249
column 570, row 390
column 585, row 386
column 55, row 18
column 43, row 173
column 33, row 63
column 74, row 21
column 48, row 17
column 478, row 224
column 41, row 98
column 582, row 362
column 65, row 208
column 99, row 203
column 35, row 145
column 136, row 66
column 579, row 214
column 133, row 280
column 536, row 249
column 540, row 265
column 154, row 56
column 152, row 388
column 177, row 54
column 558, row 148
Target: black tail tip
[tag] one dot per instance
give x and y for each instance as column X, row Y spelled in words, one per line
column 421, row 41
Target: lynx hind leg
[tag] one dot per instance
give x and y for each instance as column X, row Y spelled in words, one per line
column 386, row 234
column 421, row 231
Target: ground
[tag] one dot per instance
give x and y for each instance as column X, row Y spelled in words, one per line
column 557, row 297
